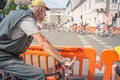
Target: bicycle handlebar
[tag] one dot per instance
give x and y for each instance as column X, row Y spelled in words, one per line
column 66, row 75
column 68, row 68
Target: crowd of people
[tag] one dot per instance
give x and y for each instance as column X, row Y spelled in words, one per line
column 101, row 29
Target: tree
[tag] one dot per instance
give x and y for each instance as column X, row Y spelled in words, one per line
column 8, row 8
column 11, row 5
column 2, row 11
column 23, row 6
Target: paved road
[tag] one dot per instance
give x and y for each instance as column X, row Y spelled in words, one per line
column 74, row 39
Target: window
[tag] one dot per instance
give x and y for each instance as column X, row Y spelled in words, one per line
column 85, row 7
column 97, row 0
column 114, row 1
column 89, row 4
column 100, row 0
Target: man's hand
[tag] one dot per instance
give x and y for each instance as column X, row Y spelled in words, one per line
column 67, row 63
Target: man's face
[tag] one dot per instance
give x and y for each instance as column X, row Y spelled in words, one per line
column 40, row 14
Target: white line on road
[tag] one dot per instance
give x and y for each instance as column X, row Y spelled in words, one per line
column 107, row 46
column 87, row 45
column 103, row 43
column 85, row 42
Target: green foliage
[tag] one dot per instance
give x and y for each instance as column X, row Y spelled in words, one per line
column 23, row 6
column 2, row 11
column 8, row 8
column 12, row 6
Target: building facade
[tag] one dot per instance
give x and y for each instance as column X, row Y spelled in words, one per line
column 22, row 1
column 56, row 15
column 93, row 11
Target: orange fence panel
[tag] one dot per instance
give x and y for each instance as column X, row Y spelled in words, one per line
column 117, row 31
column 108, row 57
column 68, row 52
column 90, row 29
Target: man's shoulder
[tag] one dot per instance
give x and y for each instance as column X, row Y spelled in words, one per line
column 13, row 12
column 19, row 10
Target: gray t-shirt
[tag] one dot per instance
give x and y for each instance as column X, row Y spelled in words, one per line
column 26, row 26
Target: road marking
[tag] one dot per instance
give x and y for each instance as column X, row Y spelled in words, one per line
column 99, row 40
column 49, row 34
column 103, row 42
column 86, row 42
column 83, row 39
column 93, row 37
column 97, row 58
column 96, row 39
column 87, row 45
column 107, row 46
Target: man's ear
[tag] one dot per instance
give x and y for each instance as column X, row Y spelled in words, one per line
column 40, row 9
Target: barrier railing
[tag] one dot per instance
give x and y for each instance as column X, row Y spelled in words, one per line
column 117, row 31
column 91, row 29
column 108, row 57
column 68, row 52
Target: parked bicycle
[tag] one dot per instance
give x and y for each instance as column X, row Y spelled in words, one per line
column 104, row 32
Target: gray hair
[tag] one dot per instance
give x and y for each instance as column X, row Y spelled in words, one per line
column 34, row 8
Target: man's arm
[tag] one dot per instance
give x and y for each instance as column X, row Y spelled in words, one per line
column 28, row 25
column 46, row 46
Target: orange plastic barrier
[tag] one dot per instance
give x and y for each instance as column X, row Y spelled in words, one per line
column 90, row 29
column 75, row 27
column 117, row 31
column 108, row 57
column 68, row 52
